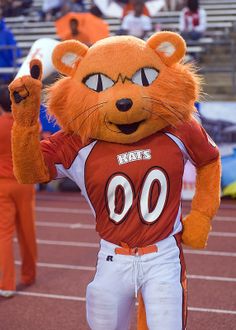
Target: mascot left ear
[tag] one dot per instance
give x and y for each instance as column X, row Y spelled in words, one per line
column 170, row 46
column 67, row 55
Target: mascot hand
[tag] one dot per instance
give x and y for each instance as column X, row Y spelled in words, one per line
column 25, row 96
column 196, row 230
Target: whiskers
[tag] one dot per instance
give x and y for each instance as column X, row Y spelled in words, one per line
column 171, row 115
column 84, row 117
column 93, row 108
column 154, row 114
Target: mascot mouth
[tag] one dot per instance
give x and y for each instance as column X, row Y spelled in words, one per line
column 129, row 128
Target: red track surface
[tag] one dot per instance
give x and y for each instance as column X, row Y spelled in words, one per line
column 68, row 244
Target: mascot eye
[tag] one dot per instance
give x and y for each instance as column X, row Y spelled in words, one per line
column 98, row 82
column 145, row 76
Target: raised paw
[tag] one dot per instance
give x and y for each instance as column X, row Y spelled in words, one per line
column 25, row 93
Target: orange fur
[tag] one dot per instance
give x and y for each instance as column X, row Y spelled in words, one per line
column 29, row 166
column 206, row 201
column 83, row 111
column 25, row 142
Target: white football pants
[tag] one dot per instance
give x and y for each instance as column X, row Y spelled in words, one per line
column 160, row 276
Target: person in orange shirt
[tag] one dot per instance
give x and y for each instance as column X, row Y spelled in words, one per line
column 75, row 32
column 129, row 7
column 17, row 211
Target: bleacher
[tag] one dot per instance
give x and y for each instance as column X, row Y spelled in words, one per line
column 216, row 50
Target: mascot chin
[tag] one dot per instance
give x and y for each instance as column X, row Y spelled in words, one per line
column 126, row 109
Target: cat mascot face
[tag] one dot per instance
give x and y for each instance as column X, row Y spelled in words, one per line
column 122, row 89
column 123, row 97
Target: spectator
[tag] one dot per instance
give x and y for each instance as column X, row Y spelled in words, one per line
column 73, row 6
column 130, row 5
column 135, row 23
column 173, row 5
column 15, row 8
column 51, row 9
column 96, row 11
column 17, row 212
column 192, row 23
column 9, row 53
column 75, row 32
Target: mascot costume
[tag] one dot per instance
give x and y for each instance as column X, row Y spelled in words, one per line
column 126, row 108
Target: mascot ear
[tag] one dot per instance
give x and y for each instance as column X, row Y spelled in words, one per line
column 170, row 46
column 67, row 55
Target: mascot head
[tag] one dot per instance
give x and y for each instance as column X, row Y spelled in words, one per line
column 122, row 89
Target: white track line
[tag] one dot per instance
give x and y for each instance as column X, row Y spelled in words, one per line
column 68, row 243
column 87, row 226
column 88, row 211
column 92, row 269
column 211, row 310
column 51, row 296
column 225, row 219
column 211, row 253
column 61, row 266
column 222, row 234
column 79, row 197
column 211, row 278
column 62, row 210
column 64, row 225
column 96, row 245
column 83, row 299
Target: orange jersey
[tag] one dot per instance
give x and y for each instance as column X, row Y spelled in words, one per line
column 6, row 166
column 133, row 189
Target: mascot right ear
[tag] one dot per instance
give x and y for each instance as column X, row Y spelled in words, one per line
column 67, row 55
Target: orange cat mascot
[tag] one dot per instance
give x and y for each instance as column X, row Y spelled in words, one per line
column 126, row 109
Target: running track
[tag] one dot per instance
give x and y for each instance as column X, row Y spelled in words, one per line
column 67, row 244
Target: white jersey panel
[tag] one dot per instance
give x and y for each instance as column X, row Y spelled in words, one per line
column 181, row 146
column 178, row 224
column 76, row 171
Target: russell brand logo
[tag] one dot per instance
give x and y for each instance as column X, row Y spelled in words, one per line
column 133, row 156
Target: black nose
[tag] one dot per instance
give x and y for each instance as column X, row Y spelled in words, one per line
column 124, row 104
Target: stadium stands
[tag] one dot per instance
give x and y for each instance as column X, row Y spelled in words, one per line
column 216, row 50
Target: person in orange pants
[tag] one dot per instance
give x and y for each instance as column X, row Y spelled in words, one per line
column 16, row 212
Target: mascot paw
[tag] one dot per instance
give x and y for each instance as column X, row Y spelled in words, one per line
column 196, row 230
column 25, row 96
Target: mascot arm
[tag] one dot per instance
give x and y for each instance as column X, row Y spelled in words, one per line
column 28, row 161
column 197, row 224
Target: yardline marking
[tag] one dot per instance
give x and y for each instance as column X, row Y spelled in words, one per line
column 96, row 245
column 67, row 210
column 83, row 299
column 92, row 269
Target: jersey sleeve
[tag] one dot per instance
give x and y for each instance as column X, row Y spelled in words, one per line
column 59, row 151
column 201, row 149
